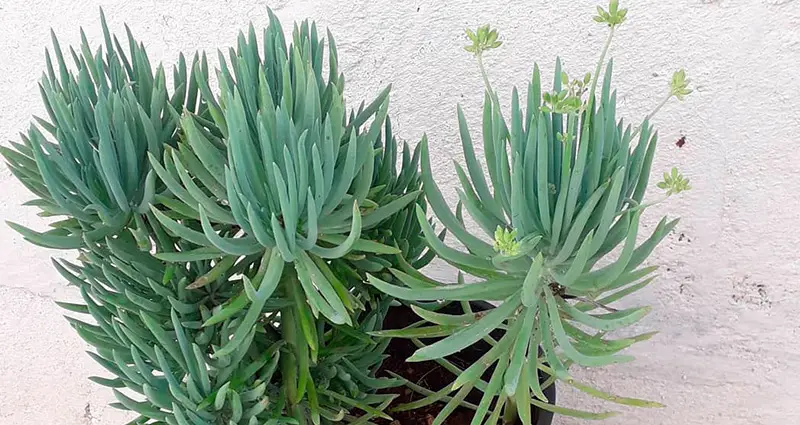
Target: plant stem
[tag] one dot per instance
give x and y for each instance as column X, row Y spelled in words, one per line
column 289, row 364
column 485, row 76
column 488, row 84
column 600, row 63
column 643, row 206
column 660, row 105
column 652, row 114
column 596, row 304
column 510, row 412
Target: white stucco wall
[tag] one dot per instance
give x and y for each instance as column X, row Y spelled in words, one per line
column 728, row 301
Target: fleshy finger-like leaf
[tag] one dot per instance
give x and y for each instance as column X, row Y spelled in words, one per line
column 470, row 334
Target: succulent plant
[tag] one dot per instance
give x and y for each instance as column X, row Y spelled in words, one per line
column 562, row 202
column 297, row 177
column 223, row 238
column 401, row 230
column 154, row 330
column 87, row 159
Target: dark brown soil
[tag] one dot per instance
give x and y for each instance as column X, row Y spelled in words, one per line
column 430, row 374
column 426, row 374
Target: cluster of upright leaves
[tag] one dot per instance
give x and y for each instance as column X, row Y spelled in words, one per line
column 291, row 174
column 223, row 238
column 402, row 229
column 565, row 189
column 294, row 181
column 104, row 119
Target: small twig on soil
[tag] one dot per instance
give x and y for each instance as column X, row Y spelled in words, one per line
column 422, row 378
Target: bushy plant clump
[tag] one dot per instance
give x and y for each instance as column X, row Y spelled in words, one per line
column 223, row 238
column 562, row 203
column 239, row 246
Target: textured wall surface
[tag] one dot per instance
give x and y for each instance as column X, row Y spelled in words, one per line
column 727, row 302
